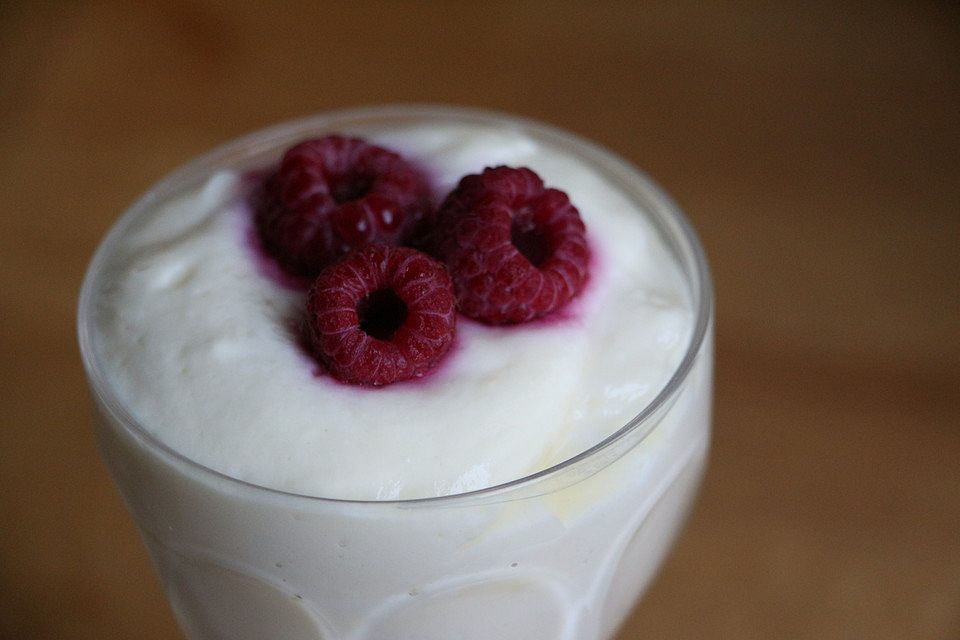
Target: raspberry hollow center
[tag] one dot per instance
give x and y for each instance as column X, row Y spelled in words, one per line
column 350, row 188
column 529, row 240
column 381, row 313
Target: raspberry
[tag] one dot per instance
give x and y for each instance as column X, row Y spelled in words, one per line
column 382, row 314
column 515, row 249
column 335, row 193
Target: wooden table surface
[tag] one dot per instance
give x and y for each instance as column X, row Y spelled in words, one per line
column 815, row 147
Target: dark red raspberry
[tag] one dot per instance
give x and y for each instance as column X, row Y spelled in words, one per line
column 335, row 193
column 515, row 249
column 382, row 314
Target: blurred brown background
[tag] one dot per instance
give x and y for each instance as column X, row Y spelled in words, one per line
column 816, row 147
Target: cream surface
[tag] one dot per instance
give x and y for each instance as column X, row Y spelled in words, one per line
column 201, row 347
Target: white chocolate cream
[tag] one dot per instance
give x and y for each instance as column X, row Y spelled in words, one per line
column 188, row 343
column 201, row 346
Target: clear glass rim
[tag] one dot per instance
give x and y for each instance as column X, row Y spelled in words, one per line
column 605, row 160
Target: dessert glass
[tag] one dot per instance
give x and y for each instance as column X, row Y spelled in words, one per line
column 561, row 554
